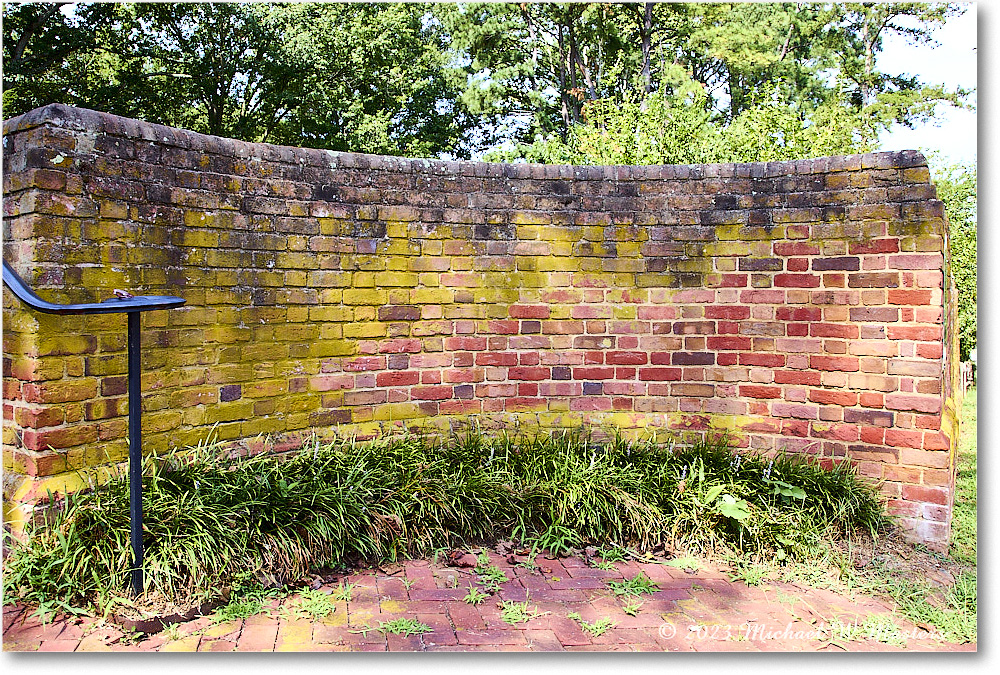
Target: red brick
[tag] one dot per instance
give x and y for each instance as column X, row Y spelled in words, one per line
column 925, row 404
column 838, row 432
column 659, row 374
column 730, row 342
column 909, row 296
column 875, row 435
column 529, row 311
column 501, row 327
column 871, row 399
column 762, row 359
column 496, row 359
column 793, row 427
column 733, row 281
column 916, row 261
column 432, row 393
column 734, row 312
column 799, row 314
column 795, row 248
column 528, row 373
column 923, row 493
column 796, row 377
column 768, row 297
column 797, row 280
column 873, row 280
column 399, row 313
column 826, row 396
column 473, row 344
column 65, row 437
column 904, row 438
column 925, row 333
column 397, row 379
column 835, row 363
column 874, row 246
column 757, row 391
column 801, row 411
column 593, row 373
column 626, row 358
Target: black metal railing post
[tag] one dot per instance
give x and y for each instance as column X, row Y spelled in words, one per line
column 133, row 306
column 135, row 448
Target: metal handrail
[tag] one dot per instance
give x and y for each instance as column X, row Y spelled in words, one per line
column 133, row 305
column 115, row 305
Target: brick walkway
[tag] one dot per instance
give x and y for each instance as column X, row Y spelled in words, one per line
column 704, row 611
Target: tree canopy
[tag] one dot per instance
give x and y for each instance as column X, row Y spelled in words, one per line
column 580, row 82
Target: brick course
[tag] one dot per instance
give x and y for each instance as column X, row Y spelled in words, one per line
column 784, row 302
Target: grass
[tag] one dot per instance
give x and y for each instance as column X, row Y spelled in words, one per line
column 636, row 586
column 518, row 612
column 475, row 596
column 404, row 627
column 210, row 517
column 315, row 604
column 963, row 524
column 686, row 563
column 604, row 565
column 596, row 629
column 490, row 576
column 344, row 591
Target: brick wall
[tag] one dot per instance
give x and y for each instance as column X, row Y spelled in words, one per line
column 798, row 305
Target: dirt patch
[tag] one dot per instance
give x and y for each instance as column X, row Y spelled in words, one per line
column 893, row 554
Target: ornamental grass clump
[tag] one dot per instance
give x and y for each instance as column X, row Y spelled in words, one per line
column 210, row 518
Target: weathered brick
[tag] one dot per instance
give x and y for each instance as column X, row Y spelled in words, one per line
column 363, row 290
column 842, row 263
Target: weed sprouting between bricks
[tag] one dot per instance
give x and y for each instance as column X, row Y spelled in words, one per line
column 211, row 519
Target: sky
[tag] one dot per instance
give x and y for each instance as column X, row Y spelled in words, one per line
column 952, row 63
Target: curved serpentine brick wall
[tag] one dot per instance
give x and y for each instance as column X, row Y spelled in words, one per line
column 798, row 305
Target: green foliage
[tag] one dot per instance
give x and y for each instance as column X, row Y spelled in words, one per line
column 211, row 520
column 596, row 629
column 957, row 188
column 680, row 83
column 554, row 82
column 686, row 563
column 404, row 627
column 637, row 585
column 518, row 612
column 344, row 76
column 315, row 604
column 344, row 592
column 604, row 565
column 490, row 576
column 475, row 596
column 963, row 524
column 556, row 539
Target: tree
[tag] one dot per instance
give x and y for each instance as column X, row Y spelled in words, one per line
column 856, row 37
column 548, row 65
column 362, row 77
column 956, row 187
column 49, row 55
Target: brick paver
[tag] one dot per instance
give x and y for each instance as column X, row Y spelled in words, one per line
column 703, row 612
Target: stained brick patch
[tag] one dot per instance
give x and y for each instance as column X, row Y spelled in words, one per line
column 701, row 612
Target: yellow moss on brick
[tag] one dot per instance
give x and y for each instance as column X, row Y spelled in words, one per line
column 355, row 296
column 397, row 411
column 736, row 248
column 431, row 296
